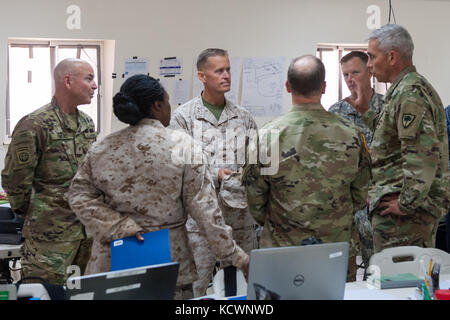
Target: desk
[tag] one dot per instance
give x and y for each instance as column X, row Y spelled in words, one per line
column 361, row 290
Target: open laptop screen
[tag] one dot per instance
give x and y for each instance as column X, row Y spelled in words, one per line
column 155, row 282
column 298, row 272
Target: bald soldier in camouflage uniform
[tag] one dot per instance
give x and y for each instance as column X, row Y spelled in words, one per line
column 149, row 186
column 409, row 148
column 222, row 128
column 323, row 171
column 354, row 70
column 46, row 149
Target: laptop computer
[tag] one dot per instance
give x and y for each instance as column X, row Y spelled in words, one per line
column 313, row 272
column 155, row 282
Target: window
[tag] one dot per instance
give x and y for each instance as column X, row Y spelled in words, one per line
column 30, row 75
column 336, row 89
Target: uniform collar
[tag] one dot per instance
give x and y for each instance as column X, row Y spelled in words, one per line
column 398, row 79
column 307, row 107
column 62, row 116
column 202, row 112
column 152, row 122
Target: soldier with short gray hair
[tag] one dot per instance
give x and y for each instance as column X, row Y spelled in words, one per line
column 410, row 190
column 47, row 146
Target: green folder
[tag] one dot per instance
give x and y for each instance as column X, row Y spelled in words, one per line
column 391, row 281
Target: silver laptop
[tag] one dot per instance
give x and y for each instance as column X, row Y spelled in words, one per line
column 312, row 272
column 155, row 282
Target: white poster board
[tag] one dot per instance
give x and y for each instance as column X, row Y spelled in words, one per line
column 263, row 84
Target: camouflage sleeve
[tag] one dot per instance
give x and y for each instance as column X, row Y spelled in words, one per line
column 420, row 151
column 251, row 124
column 257, row 190
column 21, row 161
column 87, row 201
column 360, row 186
column 177, row 122
column 200, row 201
column 369, row 118
column 256, row 186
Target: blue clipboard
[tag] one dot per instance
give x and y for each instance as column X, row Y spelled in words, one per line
column 129, row 253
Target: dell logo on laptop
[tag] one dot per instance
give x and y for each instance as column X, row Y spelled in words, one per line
column 299, row 280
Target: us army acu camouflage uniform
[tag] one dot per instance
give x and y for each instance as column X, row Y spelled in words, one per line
column 346, row 110
column 234, row 125
column 362, row 239
column 322, row 180
column 410, row 157
column 45, row 152
column 136, row 180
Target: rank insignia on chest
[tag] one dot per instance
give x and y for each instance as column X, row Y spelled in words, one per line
column 407, row 120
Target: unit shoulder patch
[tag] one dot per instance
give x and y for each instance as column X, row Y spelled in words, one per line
column 23, row 155
column 407, row 119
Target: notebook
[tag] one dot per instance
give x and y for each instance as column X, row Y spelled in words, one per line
column 312, row 272
column 130, row 253
column 156, row 282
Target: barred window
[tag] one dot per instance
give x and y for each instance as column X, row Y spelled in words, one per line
column 331, row 54
column 30, row 75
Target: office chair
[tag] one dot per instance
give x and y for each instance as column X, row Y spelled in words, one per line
column 415, row 260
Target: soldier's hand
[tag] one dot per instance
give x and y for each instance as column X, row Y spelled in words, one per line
column 361, row 102
column 223, row 172
column 139, row 237
column 245, row 268
column 390, row 202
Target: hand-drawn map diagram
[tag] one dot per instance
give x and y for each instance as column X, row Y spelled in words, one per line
column 262, row 86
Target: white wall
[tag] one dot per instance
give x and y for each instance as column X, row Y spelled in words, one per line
column 182, row 28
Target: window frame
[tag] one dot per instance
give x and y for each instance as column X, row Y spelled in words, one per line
column 341, row 48
column 53, row 45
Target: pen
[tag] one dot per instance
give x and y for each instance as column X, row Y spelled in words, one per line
column 431, row 264
column 427, row 291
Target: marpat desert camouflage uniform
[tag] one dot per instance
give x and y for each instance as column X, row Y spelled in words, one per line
column 45, row 152
column 362, row 231
column 230, row 131
column 410, row 158
column 322, row 180
column 136, row 180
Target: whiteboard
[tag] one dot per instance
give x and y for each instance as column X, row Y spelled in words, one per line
column 263, row 85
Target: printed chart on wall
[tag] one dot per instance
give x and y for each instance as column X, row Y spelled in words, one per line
column 262, row 87
column 135, row 66
column 170, row 67
column 235, row 70
column 180, row 92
